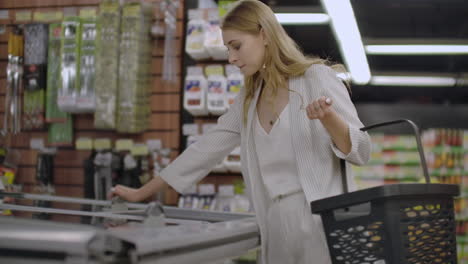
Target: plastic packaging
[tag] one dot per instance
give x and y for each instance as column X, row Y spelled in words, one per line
column 196, row 29
column 216, row 89
column 189, row 199
column 235, row 82
column 85, row 100
column 225, row 198
column 134, row 68
column 213, row 38
column 70, row 64
column 195, row 91
column 107, row 67
column 206, row 194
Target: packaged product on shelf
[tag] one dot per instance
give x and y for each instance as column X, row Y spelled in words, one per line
column 14, row 75
column 107, row 67
column 216, row 89
column 61, row 134
column 235, row 82
column 225, row 198
column 195, row 38
column 213, row 38
column 70, row 64
column 465, row 139
column 85, row 100
column 206, row 196
column 169, row 71
column 189, row 199
column 53, row 113
column 232, row 161
column 134, row 68
column 35, row 73
column 195, row 91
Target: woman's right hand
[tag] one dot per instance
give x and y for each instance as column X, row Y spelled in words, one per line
column 126, row 193
column 142, row 194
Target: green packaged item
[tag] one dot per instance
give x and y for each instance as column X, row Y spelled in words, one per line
column 85, row 101
column 61, row 134
column 107, row 66
column 134, row 68
column 53, row 113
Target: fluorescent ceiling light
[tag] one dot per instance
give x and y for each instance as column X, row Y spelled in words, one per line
column 349, row 39
column 302, row 18
column 416, row 49
column 413, row 81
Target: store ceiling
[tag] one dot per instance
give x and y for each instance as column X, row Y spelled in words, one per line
column 391, row 20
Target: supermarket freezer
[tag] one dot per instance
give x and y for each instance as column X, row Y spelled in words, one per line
column 185, row 235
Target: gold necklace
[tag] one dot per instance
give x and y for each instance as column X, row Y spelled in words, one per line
column 272, row 121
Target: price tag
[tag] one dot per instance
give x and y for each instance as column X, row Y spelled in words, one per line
column 48, row 16
column 102, row 143
column 70, row 11
column 84, row 144
column 4, row 14
column 36, row 143
column 88, row 13
column 124, row 144
column 154, row 144
column 140, row 150
column 214, row 70
column 23, row 16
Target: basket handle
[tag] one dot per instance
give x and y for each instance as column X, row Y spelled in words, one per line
column 418, row 142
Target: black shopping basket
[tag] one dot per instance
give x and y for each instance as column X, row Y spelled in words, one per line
column 391, row 224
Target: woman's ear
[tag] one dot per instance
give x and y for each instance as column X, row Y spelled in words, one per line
column 264, row 37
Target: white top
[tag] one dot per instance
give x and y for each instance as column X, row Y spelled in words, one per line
column 276, row 156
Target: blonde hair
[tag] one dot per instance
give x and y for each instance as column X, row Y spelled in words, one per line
column 283, row 57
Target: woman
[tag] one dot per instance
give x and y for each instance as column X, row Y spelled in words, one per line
column 290, row 149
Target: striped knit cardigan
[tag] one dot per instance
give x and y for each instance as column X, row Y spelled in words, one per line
column 316, row 156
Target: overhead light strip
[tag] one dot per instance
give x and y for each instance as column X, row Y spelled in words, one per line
column 417, row 49
column 347, row 33
column 302, row 18
column 426, row 81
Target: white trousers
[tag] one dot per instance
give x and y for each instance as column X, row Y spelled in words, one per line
column 294, row 235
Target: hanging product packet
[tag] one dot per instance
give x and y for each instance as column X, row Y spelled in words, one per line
column 35, row 73
column 53, row 112
column 85, row 100
column 107, row 64
column 134, row 68
column 70, row 64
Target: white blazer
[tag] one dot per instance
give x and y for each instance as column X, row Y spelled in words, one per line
column 317, row 158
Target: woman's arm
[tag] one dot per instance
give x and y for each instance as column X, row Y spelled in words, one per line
column 196, row 161
column 338, row 116
column 137, row 195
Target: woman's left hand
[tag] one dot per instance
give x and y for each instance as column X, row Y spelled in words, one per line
column 319, row 109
